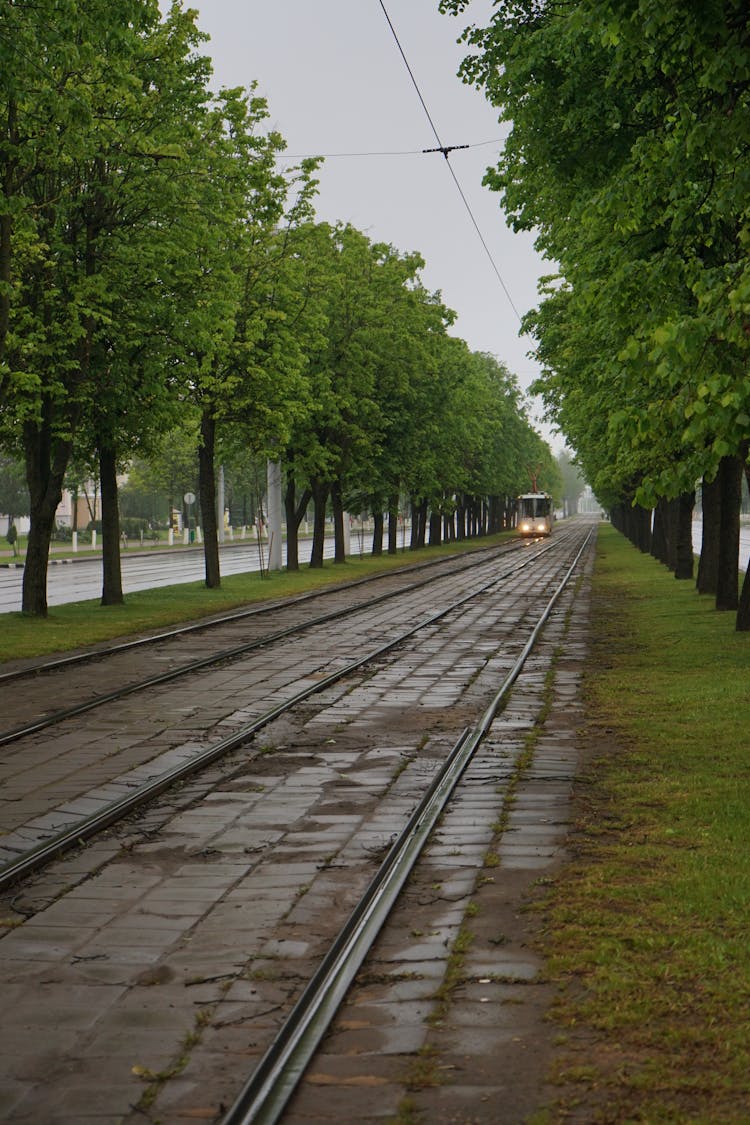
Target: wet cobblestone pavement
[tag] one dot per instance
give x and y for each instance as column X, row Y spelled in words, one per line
column 149, row 989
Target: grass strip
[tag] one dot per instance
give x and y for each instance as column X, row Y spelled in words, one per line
column 647, row 928
column 79, row 624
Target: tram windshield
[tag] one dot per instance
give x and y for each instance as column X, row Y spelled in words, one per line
column 533, row 507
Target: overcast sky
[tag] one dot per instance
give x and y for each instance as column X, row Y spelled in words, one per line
column 336, row 83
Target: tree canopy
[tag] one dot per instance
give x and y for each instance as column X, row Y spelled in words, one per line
column 162, row 281
column 628, row 156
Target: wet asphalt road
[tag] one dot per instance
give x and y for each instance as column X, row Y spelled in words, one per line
column 81, row 579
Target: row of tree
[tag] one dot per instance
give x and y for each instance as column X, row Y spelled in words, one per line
column 160, row 276
column 629, row 154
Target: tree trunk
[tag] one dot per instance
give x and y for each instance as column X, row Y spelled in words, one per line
column 319, row 491
column 436, row 528
column 659, row 546
column 616, row 517
column 708, row 565
column 742, row 623
column 46, row 462
column 377, row 532
column 207, row 493
column 730, row 497
column 337, row 504
column 294, row 513
column 643, row 517
column 422, row 535
column 393, row 525
column 418, row 523
column 684, row 558
column 111, row 569
column 414, row 531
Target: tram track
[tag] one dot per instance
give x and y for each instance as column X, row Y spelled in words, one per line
column 260, row 855
column 33, row 668
column 109, row 812
column 267, row 1091
column 104, row 695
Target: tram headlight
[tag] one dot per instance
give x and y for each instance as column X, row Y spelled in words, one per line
column 525, row 526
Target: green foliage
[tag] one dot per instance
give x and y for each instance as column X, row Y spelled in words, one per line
column 158, row 271
column 627, row 156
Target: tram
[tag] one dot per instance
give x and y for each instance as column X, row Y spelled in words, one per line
column 534, row 513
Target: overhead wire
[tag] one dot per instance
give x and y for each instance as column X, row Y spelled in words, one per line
column 395, row 152
column 446, row 149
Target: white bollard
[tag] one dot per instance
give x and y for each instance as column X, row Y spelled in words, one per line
column 75, row 540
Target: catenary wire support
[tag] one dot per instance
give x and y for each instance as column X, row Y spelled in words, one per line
column 446, row 149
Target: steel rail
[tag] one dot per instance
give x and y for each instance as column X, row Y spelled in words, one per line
column 267, row 1091
column 240, row 615
column 53, row 718
column 115, row 810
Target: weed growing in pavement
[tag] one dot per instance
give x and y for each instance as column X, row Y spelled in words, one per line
column 156, row 1079
column 262, row 974
column 407, row 1114
column 646, row 930
column 368, row 978
column 424, row 1070
column 454, row 971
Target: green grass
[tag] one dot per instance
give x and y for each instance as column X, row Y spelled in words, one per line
column 647, row 930
column 84, row 623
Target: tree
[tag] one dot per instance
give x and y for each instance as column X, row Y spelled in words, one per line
column 357, row 287
column 247, row 361
column 627, row 154
column 78, row 179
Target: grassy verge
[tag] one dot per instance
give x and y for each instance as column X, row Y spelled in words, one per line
column 647, row 929
column 84, row 623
